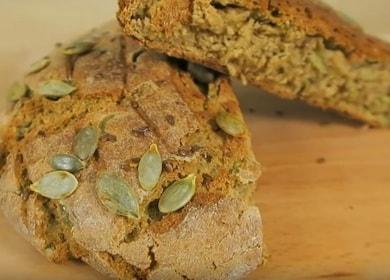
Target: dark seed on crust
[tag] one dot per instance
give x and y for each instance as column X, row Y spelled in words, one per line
column 185, row 151
column 134, row 104
column 207, row 179
column 141, row 131
column 170, row 119
column 108, row 137
column 207, row 157
column 168, row 166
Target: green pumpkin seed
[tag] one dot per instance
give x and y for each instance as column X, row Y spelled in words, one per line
column 86, row 142
column 65, row 162
column 230, row 124
column 117, row 196
column 79, row 48
column 17, row 91
column 39, row 65
column 55, row 89
column 149, row 168
column 367, row 74
column 317, row 61
column 177, row 195
column 56, row 185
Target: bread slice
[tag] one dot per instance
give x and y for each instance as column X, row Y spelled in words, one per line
column 297, row 49
column 136, row 101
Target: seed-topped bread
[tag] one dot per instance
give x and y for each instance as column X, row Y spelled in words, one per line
column 113, row 155
column 297, row 49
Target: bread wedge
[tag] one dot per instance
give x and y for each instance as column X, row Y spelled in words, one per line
column 296, row 49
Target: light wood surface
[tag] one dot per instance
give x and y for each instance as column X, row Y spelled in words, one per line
column 325, row 192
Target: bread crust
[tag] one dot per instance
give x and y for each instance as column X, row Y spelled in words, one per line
column 217, row 235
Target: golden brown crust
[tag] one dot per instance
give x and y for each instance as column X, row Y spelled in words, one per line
column 132, row 88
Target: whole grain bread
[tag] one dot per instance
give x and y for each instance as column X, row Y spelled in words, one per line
column 297, row 49
column 135, row 98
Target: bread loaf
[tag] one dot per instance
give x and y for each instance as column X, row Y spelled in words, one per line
column 133, row 162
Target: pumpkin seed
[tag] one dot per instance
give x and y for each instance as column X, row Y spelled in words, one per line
column 65, row 162
column 230, row 124
column 367, row 74
column 17, row 91
column 56, row 185
column 55, row 89
column 117, row 196
column 39, row 65
column 201, row 73
column 149, row 168
column 79, row 48
column 177, row 195
column 86, row 142
column 317, row 61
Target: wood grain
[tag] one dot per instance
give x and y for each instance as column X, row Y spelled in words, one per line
column 325, row 192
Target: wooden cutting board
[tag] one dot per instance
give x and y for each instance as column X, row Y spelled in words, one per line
column 325, row 191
